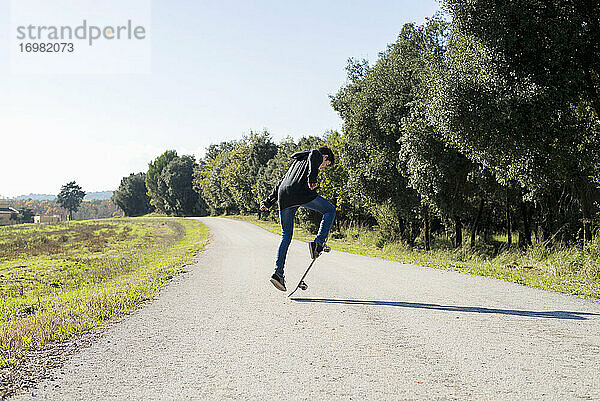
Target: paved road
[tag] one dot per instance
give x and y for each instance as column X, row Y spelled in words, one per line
column 365, row 329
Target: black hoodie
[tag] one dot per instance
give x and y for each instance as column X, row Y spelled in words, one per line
column 293, row 188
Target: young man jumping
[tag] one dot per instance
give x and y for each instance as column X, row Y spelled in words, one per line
column 298, row 188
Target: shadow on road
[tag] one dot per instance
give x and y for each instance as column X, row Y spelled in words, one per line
column 450, row 308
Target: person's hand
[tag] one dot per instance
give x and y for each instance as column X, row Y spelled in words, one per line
column 313, row 185
column 262, row 207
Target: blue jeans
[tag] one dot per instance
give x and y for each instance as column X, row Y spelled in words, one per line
column 286, row 216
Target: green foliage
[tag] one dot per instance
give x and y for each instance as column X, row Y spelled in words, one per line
column 153, row 175
column 227, row 176
column 250, row 155
column 333, row 181
column 275, row 168
column 555, row 45
column 519, row 95
column 175, row 187
column 209, row 184
column 479, row 115
column 169, row 181
column 70, row 197
column 132, row 195
column 373, row 105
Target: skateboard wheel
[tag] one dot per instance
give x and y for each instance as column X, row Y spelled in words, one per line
column 303, row 286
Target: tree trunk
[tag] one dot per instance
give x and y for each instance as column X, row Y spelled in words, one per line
column 475, row 224
column 457, row 232
column 548, row 223
column 592, row 92
column 508, row 222
column 410, row 238
column 586, row 200
column 587, row 234
column 426, row 228
column 525, row 235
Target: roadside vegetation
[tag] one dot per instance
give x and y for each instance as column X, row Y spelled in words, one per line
column 59, row 280
column 570, row 270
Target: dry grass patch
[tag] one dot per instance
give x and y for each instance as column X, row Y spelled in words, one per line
column 59, row 280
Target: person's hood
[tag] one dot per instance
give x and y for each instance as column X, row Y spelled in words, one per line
column 302, row 155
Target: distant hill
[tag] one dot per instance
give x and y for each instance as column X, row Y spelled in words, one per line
column 35, row 197
column 103, row 195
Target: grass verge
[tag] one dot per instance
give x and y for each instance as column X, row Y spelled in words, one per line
column 60, row 280
column 574, row 271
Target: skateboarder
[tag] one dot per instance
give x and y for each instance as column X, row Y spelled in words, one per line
column 298, row 188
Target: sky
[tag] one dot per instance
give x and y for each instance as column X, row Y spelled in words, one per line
column 216, row 71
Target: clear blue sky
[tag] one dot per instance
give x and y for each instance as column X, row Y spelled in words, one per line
column 219, row 70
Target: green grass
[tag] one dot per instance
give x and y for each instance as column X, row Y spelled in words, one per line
column 570, row 270
column 59, row 280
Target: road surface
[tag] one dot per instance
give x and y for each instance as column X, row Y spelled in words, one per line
column 366, row 329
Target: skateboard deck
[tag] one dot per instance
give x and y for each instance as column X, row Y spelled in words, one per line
column 302, row 285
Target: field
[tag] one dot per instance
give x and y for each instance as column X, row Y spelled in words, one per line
column 570, row 270
column 59, row 280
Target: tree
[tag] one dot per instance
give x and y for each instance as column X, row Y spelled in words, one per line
column 26, row 215
column 275, row 168
column 438, row 172
column 250, row 155
column 372, row 106
column 208, row 180
column 333, row 182
column 70, row 197
column 175, row 188
column 519, row 94
column 132, row 195
column 555, row 44
column 214, row 150
column 227, row 176
column 155, row 169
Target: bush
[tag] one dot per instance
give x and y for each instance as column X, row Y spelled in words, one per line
column 309, row 220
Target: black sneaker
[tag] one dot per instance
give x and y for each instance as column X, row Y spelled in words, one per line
column 278, row 281
column 315, row 249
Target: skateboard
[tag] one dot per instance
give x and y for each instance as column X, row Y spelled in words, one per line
column 302, row 285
